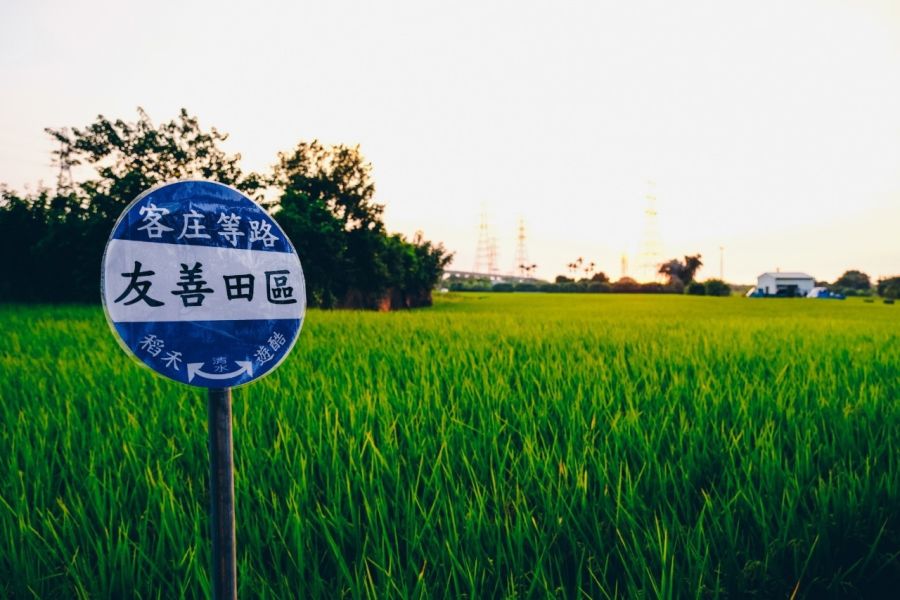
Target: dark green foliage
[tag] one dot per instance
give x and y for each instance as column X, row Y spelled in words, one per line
column 889, row 287
column 24, row 222
column 502, row 287
column 683, row 271
column 853, row 280
column 653, row 287
column 695, row 288
column 59, row 243
column 326, row 208
column 626, row 285
column 717, row 287
column 852, row 283
column 468, row 285
column 598, row 287
column 675, row 286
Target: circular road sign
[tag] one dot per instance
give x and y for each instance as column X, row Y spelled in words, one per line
column 201, row 285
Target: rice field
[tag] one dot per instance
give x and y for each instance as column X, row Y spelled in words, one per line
column 526, row 445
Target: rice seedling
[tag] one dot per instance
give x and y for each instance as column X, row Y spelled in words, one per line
column 591, row 446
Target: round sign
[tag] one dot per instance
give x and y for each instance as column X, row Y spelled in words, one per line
column 201, row 285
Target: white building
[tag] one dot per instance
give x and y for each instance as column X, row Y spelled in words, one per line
column 784, row 284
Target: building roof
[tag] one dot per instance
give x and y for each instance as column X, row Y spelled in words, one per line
column 788, row 275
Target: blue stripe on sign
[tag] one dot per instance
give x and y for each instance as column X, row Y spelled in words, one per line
column 201, row 213
column 211, row 354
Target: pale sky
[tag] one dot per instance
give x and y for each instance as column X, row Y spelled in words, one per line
column 769, row 128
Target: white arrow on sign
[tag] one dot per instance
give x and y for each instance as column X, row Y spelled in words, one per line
column 194, row 369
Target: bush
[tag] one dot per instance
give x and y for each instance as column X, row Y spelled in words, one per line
column 850, row 292
column 626, row 285
column 695, row 288
column 717, row 287
column 598, row 287
column 889, row 287
column 526, row 287
column 652, row 287
column 502, row 287
column 548, row 287
column 676, row 286
column 469, row 286
column 854, row 280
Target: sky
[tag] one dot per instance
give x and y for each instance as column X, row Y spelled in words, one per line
column 769, row 129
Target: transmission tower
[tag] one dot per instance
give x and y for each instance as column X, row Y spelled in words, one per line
column 623, row 263
column 651, row 253
column 483, row 254
column 64, row 162
column 521, row 266
column 492, row 257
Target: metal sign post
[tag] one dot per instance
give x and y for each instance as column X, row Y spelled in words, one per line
column 221, row 493
column 201, row 285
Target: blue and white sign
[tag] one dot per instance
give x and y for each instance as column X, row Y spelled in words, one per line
column 202, row 286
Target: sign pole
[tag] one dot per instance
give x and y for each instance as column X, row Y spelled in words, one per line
column 229, row 316
column 221, row 490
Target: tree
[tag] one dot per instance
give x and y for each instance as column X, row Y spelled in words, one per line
column 853, row 280
column 717, row 287
column 327, row 206
column 337, row 177
column 695, row 288
column 130, row 157
column 625, row 285
column 23, row 224
column 889, row 287
column 683, row 271
column 600, row 277
column 68, row 229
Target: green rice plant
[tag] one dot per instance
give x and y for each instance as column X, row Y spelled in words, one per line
column 495, row 445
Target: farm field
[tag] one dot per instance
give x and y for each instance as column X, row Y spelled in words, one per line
column 522, row 445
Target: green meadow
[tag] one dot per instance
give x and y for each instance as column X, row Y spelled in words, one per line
column 522, row 445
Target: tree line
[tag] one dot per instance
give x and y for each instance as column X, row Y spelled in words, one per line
column 679, row 276
column 858, row 283
column 680, row 279
column 321, row 195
